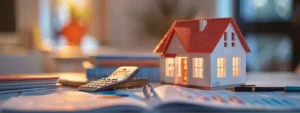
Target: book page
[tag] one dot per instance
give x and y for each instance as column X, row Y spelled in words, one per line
column 224, row 99
column 69, row 101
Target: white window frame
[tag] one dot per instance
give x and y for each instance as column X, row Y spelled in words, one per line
column 221, row 67
column 198, row 67
column 170, row 67
column 236, row 64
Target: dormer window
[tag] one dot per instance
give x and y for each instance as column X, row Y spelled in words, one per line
column 225, row 39
column 225, row 36
column 232, row 39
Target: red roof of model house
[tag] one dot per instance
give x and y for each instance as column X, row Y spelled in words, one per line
column 196, row 41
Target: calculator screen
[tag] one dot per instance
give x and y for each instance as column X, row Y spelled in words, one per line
column 119, row 74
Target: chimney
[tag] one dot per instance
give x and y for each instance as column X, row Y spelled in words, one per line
column 202, row 24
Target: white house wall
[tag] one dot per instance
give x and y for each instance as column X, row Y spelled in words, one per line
column 162, row 63
column 175, row 47
column 205, row 81
column 228, row 52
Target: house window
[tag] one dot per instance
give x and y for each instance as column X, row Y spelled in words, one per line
column 181, row 66
column 225, row 39
column 225, row 36
column 221, row 68
column 236, row 66
column 198, row 67
column 233, row 39
column 178, row 63
column 170, row 67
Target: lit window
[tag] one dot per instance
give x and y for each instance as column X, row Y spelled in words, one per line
column 221, row 67
column 170, row 67
column 198, row 67
column 179, row 66
column 233, row 40
column 236, row 66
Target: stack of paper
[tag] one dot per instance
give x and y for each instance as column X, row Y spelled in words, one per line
column 18, row 83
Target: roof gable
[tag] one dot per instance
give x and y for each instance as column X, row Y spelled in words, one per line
column 195, row 41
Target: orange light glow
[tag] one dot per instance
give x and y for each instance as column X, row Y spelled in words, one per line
column 221, row 71
column 236, row 66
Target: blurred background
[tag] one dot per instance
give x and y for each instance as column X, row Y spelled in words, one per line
column 43, row 36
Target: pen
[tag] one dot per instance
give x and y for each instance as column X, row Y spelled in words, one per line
column 266, row 89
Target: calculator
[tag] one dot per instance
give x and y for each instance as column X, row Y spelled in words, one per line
column 132, row 84
column 121, row 76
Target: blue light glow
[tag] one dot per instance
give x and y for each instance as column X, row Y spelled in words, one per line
column 224, row 8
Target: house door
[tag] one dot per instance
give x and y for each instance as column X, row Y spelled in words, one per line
column 184, row 70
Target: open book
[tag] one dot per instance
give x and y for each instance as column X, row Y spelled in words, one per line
column 171, row 98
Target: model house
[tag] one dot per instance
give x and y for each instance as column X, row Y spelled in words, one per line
column 205, row 52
